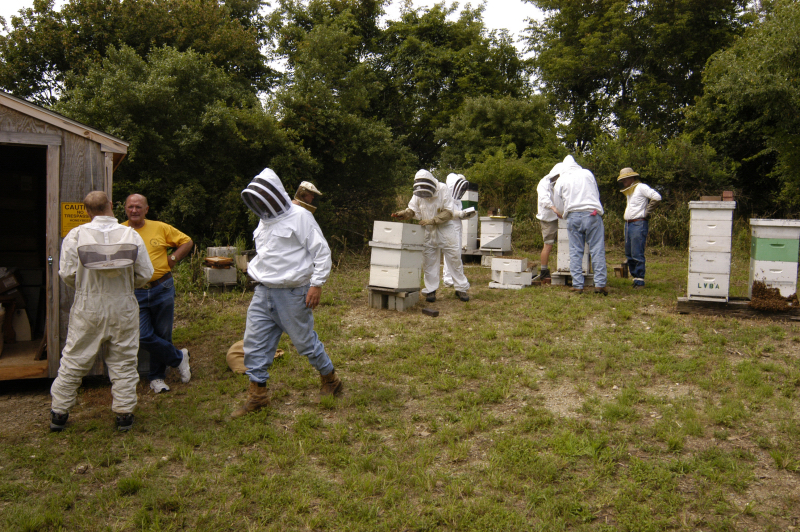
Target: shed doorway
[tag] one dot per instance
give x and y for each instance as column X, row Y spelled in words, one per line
column 23, row 251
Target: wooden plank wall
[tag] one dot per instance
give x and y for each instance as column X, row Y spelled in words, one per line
column 82, row 168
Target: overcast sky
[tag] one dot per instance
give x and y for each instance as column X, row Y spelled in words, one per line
column 499, row 14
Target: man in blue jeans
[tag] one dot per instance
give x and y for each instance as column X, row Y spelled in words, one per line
column 641, row 200
column 293, row 261
column 157, row 298
column 578, row 194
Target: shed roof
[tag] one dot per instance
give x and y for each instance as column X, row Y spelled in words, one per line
column 108, row 142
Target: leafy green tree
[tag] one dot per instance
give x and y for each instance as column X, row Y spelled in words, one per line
column 750, row 110
column 623, row 63
column 429, row 65
column 197, row 137
column 43, row 45
column 326, row 103
column 485, row 124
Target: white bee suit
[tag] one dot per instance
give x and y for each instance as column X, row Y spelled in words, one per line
column 104, row 310
column 438, row 236
column 451, row 182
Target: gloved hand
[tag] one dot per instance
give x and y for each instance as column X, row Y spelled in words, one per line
column 651, row 206
column 463, row 215
column 405, row 214
column 429, row 221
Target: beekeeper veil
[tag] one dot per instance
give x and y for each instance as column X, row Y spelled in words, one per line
column 265, row 195
column 424, row 184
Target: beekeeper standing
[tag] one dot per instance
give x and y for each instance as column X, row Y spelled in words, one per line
column 432, row 204
column 104, row 310
column 548, row 220
column 576, row 190
column 640, row 202
column 293, row 261
column 457, row 184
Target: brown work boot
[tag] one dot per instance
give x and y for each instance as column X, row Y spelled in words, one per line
column 257, row 398
column 331, row 384
column 601, row 290
column 576, row 290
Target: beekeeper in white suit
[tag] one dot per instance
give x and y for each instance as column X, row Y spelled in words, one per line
column 293, row 261
column 432, row 204
column 104, row 310
column 457, row 185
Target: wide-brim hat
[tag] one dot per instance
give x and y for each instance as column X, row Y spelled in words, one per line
column 626, row 172
column 310, row 187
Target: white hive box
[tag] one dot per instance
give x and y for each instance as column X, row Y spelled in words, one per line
column 469, row 241
column 509, row 265
column 710, row 229
column 709, row 243
column 562, row 251
column 495, row 226
column 220, row 276
column 773, row 254
column 394, row 277
column 398, row 258
column 226, row 251
column 507, row 277
column 398, row 233
column 470, row 195
column 470, row 225
column 496, row 242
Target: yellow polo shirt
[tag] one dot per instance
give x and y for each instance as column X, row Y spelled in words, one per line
column 159, row 237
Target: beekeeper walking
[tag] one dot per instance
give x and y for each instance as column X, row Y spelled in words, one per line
column 104, row 261
column 457, row 185
column 432, row 204
column 293, row 261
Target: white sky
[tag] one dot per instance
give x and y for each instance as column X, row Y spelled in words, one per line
column 499, row 14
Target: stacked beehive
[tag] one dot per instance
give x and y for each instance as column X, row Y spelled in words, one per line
column 395, row 265
column 469, row 227
column 773, row 254
column 559, row 277
column 220, row 273
column 496, row 233
column 510, row 274
column 710, row 250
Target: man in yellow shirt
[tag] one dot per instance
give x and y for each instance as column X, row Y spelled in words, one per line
column 157, row 298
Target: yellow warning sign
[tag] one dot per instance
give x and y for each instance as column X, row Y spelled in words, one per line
column 72, row 215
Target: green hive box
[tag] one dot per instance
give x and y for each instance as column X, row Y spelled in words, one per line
column 774, row 249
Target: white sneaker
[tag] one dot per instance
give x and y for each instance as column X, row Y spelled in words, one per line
column 183, row 368
column 158, row 385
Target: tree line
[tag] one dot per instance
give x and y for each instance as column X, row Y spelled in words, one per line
column 696, row 96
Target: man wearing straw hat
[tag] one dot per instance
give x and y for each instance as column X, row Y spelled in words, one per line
column 304, row 197
column 104, row 309
column 641, row 200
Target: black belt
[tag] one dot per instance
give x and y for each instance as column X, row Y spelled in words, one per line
column 153, row 284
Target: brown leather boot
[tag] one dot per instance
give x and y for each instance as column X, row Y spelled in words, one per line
column 331, row 384
column 257, row 398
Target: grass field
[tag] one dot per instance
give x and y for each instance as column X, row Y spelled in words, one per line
column 534, row 409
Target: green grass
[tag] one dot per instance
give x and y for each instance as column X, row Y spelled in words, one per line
column 520, row 410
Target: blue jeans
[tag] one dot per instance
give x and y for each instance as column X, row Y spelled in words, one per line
column 635, row 241
column 156, row 309
column 272, row 312
column 584, row 228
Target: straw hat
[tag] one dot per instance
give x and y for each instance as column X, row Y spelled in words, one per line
column 310, row 187
column 626, row 172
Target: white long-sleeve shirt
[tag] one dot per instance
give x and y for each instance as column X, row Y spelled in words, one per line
column 638, row 200
column 291, row 251
column 544, row 191
column 577, row 189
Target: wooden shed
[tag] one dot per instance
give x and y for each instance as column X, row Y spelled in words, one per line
column 48, row 163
